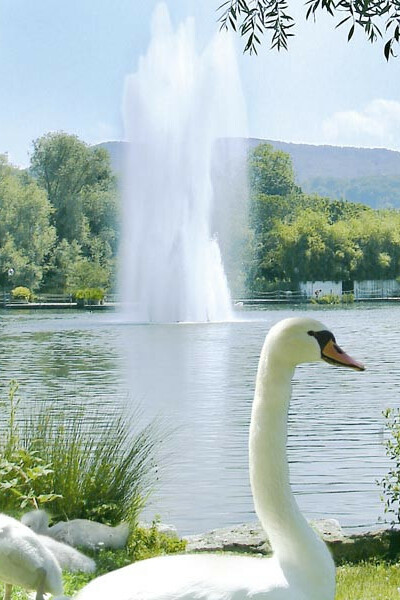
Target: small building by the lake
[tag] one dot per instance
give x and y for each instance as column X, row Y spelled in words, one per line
column 368, row 288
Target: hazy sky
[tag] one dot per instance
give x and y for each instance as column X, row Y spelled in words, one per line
column 63, row 64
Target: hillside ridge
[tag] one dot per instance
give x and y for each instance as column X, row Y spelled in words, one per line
column 310, row 161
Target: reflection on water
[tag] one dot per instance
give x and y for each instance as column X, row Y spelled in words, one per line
column 200, row 380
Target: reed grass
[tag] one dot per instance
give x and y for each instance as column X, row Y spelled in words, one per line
column 103, row 469
column 106, row 476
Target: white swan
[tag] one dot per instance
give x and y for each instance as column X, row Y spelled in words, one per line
column 78, row 532
column 69, row 558
column 25, row 561
column 301, row 567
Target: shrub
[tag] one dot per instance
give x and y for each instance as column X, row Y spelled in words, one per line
column 21, row 293
column 391, row 482
column 146, row 543
column 88, row 274
column 22, row 473
column 89, row 294
column 348, row 298
column 326, row 299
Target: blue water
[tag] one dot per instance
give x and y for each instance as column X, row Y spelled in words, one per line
column 199, row 380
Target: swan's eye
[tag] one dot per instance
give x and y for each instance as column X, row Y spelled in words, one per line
column 323, row 337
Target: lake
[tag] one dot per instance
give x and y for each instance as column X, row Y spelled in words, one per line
column 198, row 379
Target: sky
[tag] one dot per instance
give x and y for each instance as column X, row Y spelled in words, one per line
column 63, row 66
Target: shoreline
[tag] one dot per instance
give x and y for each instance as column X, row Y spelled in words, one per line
column 250, row 538
column 237, row 304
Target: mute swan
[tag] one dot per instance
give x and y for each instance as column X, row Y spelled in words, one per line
column 301, row 567
column 67, row 557
column 25, row 561
column 78, row 532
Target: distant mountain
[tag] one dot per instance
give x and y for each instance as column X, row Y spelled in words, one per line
column 309, row 161
column 377, row 192
column 116, row 151
column 369, row 175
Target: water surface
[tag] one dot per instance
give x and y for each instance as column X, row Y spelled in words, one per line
column 200, row 379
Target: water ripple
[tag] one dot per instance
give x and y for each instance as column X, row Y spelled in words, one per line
column 200, row 378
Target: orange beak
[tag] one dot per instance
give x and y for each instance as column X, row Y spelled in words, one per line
column 334, row 355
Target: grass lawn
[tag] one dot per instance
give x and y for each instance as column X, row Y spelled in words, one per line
column 368, row 581
column 364, row 581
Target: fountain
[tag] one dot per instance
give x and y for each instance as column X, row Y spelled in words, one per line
column 177, row 103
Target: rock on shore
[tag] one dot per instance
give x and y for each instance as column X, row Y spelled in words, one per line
column 250, row 538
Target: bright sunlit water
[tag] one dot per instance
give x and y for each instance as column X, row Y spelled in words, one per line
column 199, row 379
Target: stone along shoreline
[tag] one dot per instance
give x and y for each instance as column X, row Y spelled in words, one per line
column 250, row 538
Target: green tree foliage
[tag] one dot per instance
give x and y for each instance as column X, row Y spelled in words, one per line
column 26, row 233
column 271, row 171
column 59, row 221
column 66, row 167
column 82, row 190
column 377, row 18
column 61, row 265
column 89, row 274
column 298, row 237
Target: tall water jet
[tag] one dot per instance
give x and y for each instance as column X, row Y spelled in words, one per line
column 177, row 103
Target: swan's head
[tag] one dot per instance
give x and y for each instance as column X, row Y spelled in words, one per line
column 37, row 520
column 301, row 340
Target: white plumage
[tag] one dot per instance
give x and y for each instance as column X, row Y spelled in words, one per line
column 301, row 567
column 78, row 532
column 25, row 561
column 68, row 557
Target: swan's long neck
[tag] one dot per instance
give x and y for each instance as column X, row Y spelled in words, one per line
column 293, row 541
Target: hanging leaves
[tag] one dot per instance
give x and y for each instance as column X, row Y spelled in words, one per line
column 252, row 18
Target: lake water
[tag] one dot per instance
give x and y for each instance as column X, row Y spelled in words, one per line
column 199, row 380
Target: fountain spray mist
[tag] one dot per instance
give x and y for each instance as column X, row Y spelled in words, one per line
column 176, row 105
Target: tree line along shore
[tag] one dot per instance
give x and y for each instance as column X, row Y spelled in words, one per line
column 60, row 227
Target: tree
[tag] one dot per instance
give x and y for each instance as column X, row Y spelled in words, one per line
column 271, row 171
column 82, row 189
column 311, row 246
column 88, row 275
column 101, row 209
column 301, row 248
column 377, row 18
column 299, row 237
column 65, row 167
column 26, row 235
column 60, row 266
column 377, row 233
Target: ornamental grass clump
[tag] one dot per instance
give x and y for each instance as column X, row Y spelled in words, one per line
column 80, row 468
column 106, row 476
